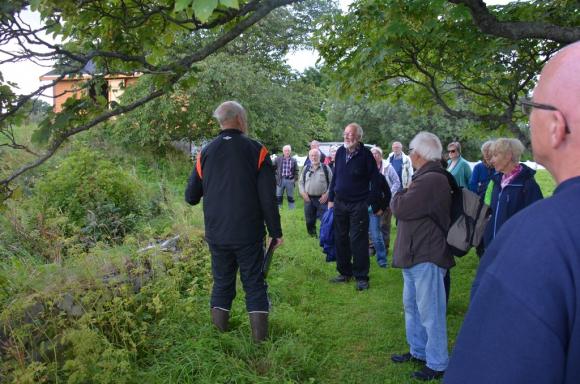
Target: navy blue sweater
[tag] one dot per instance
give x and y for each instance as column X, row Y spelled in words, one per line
column 523, row 324
column 506, row 202
column 356, row 180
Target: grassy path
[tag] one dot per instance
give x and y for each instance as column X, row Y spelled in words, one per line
column 352, row 333
column 320, row 332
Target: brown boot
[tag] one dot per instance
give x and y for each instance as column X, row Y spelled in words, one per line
column 259, row 325
column 220, row 318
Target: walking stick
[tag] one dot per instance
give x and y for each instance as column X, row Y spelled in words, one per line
column 268, row 258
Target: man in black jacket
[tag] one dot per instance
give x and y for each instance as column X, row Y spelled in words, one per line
column 234, row 175
column 354, row 187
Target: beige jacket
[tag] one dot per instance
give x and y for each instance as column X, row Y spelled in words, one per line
column 314, row 184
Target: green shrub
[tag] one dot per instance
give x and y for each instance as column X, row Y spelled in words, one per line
column 94, row 194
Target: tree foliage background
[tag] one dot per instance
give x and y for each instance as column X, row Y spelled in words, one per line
column 431, row 55
column 163, row 40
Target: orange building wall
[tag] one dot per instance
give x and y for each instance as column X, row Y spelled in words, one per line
column 66, row 88
column 63, row 90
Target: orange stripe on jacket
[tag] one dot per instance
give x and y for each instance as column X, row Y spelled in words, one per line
column 198, row 165
column 263, row 154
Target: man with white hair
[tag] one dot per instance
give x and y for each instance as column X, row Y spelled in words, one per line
column 354, row 187
column 234, row 175
column 314, row 144
column 286, row 175
column 523, row 323
column 401, row 163
column 313, row 184
column 421, row 250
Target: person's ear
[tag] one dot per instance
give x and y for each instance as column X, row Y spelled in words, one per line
column 557, row 129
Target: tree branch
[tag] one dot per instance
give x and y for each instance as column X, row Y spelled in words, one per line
column 260, row 12
column 517, row 30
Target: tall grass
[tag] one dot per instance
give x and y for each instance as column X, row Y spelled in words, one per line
column 320, row 332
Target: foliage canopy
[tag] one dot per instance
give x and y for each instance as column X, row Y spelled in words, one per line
column 431, row 55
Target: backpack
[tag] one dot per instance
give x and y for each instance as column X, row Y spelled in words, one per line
column 469, row 216
column 324, row 168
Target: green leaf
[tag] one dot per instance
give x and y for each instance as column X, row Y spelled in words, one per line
column 203, row 9
column 230, row 3
column 34, row 5
column 180, row 5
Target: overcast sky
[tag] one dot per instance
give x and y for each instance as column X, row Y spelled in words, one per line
column 27, row 74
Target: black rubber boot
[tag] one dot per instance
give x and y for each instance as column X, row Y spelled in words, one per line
column 259, row 325
column 220, row 318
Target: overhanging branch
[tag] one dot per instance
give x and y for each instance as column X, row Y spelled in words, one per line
column 259, row 13
column 517, row 30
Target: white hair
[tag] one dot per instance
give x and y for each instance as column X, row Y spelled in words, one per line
column 511, row 146
column 378, row 149
column 228, row 111
column 287, row 146
column 426, row 145
column 359, row 130
column 486, row 146
column 314, row 150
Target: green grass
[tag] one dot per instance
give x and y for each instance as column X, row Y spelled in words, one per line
column 323, row 332
column 320, row 332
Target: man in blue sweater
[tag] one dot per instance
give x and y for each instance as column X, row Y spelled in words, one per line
column 523, row 325
column 354, row 187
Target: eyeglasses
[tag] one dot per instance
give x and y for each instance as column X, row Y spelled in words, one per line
column 451, row 150
column 527, row 106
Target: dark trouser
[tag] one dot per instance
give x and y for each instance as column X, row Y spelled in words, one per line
column 313, row 210
column 225, row 261
column 351, row 236
column 386, row 227
column 480, row 250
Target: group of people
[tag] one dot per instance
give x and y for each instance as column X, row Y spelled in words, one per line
column 522, row 324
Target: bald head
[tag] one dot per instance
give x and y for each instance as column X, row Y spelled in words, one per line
column 231, row 115
column 555, row 133
column 560, row 83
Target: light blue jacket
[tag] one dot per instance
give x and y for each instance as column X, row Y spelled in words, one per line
column 461, row 172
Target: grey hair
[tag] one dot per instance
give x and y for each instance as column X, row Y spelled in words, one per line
column 378, row 149
column 287, row 146
column 359, row 130
column 514, row 146
column 427, row 145
column 314, row 149
column 229, row 110
column 486, row 146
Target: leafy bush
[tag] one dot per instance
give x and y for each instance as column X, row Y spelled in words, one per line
column 92, row 319
column 94, row 194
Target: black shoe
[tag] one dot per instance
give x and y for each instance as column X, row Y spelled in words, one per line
column 361, row 285
column 406, row 357
column 341, row 279
column 426, row 374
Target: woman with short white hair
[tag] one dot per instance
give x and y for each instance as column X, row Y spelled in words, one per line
column 514, row 186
